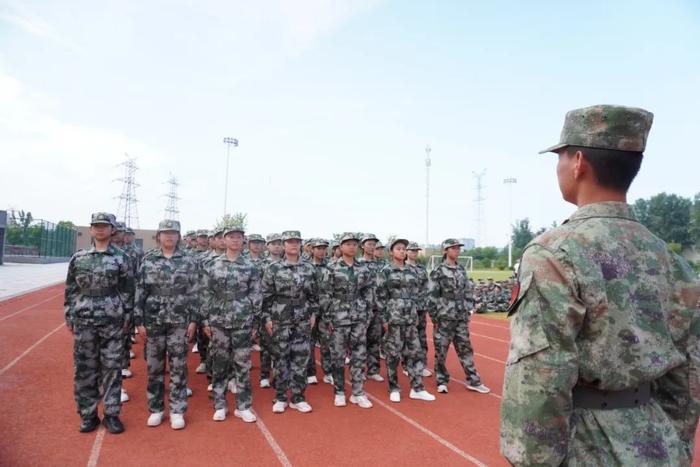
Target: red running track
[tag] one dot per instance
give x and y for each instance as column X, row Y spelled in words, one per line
column 39, row 424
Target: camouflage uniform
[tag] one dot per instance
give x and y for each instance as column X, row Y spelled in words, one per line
column 231, row 302
column 374, row 324
column 449, row 303
column 166, row 303
column 346, row 301
column 290, row 302
column 604, row 366
column 202, row 256
column 265, row 339
column 422, row 304
column 397, row 296
column 319, row 333
column 99, row 299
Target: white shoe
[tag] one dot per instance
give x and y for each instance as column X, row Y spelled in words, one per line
column 264, row 383
column 362, row 401
column 155, row 419
column 126, row 373
column 302, row 406
column 189, row 392
column 219, row 415
column 442, row 388
column 124, row 396
column 245, row 415
column 255, row 348
column 195, row 349
column 311, row 380
column 421, row 395
column 132, row 355
column 395, row 396
column 340, row 400
column 201, row 368
column 177, row 421
column 376, row 377
column 427, row 373
column 232, row 387
column 405, row 373
column 279, row 407
column 347, row 360
column 328, row 379
column 480, row 388
column 210, row 388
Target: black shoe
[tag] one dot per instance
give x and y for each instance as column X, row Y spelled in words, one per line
column 89, row 424
column 113, row 424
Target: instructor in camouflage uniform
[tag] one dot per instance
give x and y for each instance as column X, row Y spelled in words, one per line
column 374, row 324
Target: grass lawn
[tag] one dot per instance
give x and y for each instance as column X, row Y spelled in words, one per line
column 495, row 274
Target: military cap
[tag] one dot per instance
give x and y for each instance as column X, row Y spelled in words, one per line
column 273, row 237
column 256, row 238
column 129, row 230
column 398, row 240
column 102, row 218
column 168, row 225
column 413, row 246
column 202, row 233
column 218, row 231
column 233, row 228
column 190, row 233
column 318, row 242
column 347, row 236
column 291, row 235
column 450, row 242
column 378, row 246
column 120, row 227
column 605, row 127
column 369, row 236
column 333, row 244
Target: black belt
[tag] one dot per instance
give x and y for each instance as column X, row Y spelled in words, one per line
column 586, row 397
column 294, row 301
column 101, row 292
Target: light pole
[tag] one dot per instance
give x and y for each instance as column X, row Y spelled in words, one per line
column 510, row 182
column 428, row 163
column 228, row 142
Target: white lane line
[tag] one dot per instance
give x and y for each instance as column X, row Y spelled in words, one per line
column 497, row 396
column 96, row 447
column 281, row 456
column 489, row 337
column 489, row 358
column 481, row 323
column 23, row 354
column 30, row 307
column 35, row 289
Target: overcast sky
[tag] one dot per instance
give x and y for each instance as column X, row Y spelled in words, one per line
column 333, row 103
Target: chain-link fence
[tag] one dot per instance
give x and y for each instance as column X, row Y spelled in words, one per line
column 40, row 238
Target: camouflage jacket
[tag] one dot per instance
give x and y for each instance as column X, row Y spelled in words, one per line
column 423, row 282
column 374, row 267
column 449, row 294
column 602, row 303
column 397, row 294
column 99, row 287
column 231, row 294
column 166, row 290
column 346, row 293
column 290, row 292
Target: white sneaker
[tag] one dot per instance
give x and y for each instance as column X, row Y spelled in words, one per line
column 155, row 419
column 210, row 388
column 340, row 400
column 255, row 348
column 302, row 406
column 376, row 377
column 405, row 373
column 201, row 368
column 362, row 401
column 395, row 396
column 311, row 380
column 279, row 407
column 126, row 373
column 195, row 349
column 245, row 415
column 480, row 388
column 427, row 373
column 347, row 360
column 132, row 355
column 421, row 395
column 124, row 396
column 442, row 388
column 264, row 383
column 328, row 379
column 177, row 421
column 219, row 415
column 189, row 392
column 232, row 387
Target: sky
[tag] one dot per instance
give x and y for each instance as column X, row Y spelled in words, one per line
column 333, row 103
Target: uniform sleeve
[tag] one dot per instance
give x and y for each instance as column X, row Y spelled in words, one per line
column 423, row 290
column 268, row 294
column 468, row 294
column 367, row 291
column 324, row 293
column 70, row 294
column 255, row 288
column 194, row 293
column 140, row 297
column 312, row 294
column 382, row 295
column 127, row 286
column 434, row 293
column 542, row 365
column 205, row 293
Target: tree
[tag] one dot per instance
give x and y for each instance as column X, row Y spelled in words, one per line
column 237, row 219
column 522, row 233
column 694, row 229
column 66, row 224
column 669, row 218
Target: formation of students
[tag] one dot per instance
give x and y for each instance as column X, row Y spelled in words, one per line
column 234, row 293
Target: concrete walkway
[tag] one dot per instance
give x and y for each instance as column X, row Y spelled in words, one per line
column 17, row 279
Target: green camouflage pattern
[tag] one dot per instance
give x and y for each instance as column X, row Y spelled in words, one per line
column 290, row 293
column 167, row 342
column 374, row 324
column 449, row 293
column 102, row 218
column 450, row 242
column 169, row 225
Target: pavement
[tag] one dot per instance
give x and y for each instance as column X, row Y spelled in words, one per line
column 17, row 279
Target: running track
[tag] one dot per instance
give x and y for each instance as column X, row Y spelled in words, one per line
column 38, row 422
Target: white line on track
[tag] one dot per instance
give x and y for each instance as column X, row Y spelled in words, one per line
column 96, row 447
column 281, row 456
column 33, row 346
column 27, row 292
column 481, row 323
column 489, row 358
column 31, row 306
column 489, row 337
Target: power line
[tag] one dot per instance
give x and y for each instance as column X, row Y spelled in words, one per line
column 128, row 207
column 171, row 210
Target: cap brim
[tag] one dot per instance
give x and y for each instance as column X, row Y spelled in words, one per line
column 554, row 148
column 102, row 223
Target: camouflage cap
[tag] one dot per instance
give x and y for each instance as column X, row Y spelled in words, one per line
column 120, row 227
column 168, row 225
column 450, row 242
column 318, row 242
column 256, row 238
column 190, row 233
column 605, row 127
column 233, row 228
column 369, row 236
column 398, row 240
column 273, row 237
column 129, row 230
column 218, row 231
column 291, row 235
column 333, row 244
column 202, row 233
column 102, row 218
column 379, row 245
column 347, row 236
column 413, row 246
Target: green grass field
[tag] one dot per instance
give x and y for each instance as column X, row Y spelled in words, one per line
column 495, row 274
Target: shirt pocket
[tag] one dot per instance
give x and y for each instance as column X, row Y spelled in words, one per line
column 527, row 334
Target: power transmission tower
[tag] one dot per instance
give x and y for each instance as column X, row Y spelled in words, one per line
column 428, row 163
column 128, row 210
column 479, row 200
column 171, row 210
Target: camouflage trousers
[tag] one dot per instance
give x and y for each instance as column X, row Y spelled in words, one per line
column 167, row 341
column 98, row 352
column 457, row 333
column 319, row 334
column 352, row 337
column 374, row 343
column 291, row 353
column 423, row 336
column 126, row 359
column 202, row 345
column 265, row 352
column 230, row 355
column 402, row 341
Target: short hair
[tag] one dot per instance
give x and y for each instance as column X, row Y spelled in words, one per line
column 612, row 169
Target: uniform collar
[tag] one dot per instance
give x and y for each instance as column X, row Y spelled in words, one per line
column 614, row 209
column 111, row 250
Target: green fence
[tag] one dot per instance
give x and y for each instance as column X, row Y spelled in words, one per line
column 40, row 238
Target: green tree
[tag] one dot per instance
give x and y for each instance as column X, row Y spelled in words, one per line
column 522, row 233
column 669, row 218
column 238, row 219
column 66, row 224
column 694, row 229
